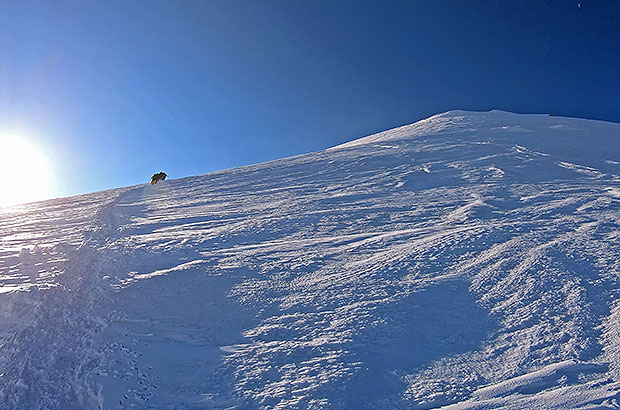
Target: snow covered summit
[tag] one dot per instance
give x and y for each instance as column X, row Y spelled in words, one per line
column 467, row 261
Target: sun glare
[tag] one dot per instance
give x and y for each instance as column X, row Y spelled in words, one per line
column 24, row 172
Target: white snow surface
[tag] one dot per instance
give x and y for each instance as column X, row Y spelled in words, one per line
column 467, row 261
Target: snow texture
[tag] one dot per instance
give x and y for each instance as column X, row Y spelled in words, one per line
column 467, row 261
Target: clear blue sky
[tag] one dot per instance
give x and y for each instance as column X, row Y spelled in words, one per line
column 118, row 90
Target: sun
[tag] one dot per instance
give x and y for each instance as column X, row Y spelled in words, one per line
column 24, row 172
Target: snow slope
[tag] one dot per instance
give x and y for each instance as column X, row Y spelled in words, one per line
column 467, row 261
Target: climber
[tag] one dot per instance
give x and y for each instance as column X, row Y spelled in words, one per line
column 160, row 176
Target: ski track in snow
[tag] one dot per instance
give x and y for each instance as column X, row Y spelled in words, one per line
column 467, row 261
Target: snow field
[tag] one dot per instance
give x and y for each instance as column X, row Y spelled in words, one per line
column 468, row 261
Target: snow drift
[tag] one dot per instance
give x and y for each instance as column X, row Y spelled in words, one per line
column 467, row 261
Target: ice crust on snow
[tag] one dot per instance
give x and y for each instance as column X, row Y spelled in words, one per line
column 467, row 261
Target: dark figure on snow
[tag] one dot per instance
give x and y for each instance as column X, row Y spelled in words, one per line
column 160, row 176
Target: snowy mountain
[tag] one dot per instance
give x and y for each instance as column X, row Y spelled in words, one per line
column 467, row 261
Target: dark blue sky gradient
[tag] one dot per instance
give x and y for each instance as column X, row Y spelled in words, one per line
column 117, row 90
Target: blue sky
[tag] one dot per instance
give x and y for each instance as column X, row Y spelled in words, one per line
column 114, row 91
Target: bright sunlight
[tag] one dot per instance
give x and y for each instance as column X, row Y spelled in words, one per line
column 24, row 171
